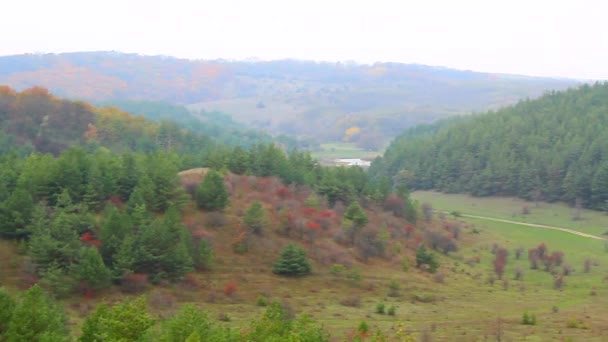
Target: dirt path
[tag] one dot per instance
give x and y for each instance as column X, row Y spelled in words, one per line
column 575, row 232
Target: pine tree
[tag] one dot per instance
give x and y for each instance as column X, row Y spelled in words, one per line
column 114, row 229
column 202, row 254
column 128, row 321
column 7, row 306
column 423, row 257
column 37, row 318
column 16, row 213
column 292, row 262
column 599, row 187
column 357, row 218
column 239, row 161
column 127, row 177
column 255, row 218
column 211, row 194
column 91, row 269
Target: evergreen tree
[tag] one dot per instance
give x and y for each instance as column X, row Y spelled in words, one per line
column 255, row 218
column 94, row 195
column 91, row 269
column 115, row 227
column 202, row 254
column 161, row 250
column 7, row 305
column 356, row 218
column 37, row 318
column 128, row 321
column 16, row 213
column 127, row 176
column 599, row 187
column 239, row 161
column 211, row 194
column 424, row 257
column 191, row 324
column 292, row 262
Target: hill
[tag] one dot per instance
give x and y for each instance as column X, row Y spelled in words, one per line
column 366, row 104
column 241, row 229
column 552, row 148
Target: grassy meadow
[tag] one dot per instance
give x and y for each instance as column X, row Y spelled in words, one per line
column 343, row 150
column 463, row 301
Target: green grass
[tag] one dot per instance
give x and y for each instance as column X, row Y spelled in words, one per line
column 554, row 214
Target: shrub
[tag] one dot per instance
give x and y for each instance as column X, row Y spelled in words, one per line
column 262, row 301
column 230, row 289
column 292, row 262
column 337, row 269
column 351, row 301
column 587, row 265
column 380, row 307
column 394, row 288
column 528, row 319
column 391, row 310
column 215, row 219
column 224, row 317
column 439, row 277
column 426, row 258
column 134, row 283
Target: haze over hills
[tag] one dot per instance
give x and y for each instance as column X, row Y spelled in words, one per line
column 324, row 100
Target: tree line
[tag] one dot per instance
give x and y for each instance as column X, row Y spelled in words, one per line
column 554, row 148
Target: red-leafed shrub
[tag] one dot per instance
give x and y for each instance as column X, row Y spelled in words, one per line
column 326, row 213
column 408, row 230
column 230, row 289
column 312, row 225
column 116, row 201
column 200, row 234
column 89, row 294
column 133, row 283
column 283, row 192
column 88, row 239
column 309, row 211
column 190, row 282
column 395, row 205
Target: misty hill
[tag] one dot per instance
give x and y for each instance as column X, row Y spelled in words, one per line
column 322, row 100
column 552, row 148
column 36, row 120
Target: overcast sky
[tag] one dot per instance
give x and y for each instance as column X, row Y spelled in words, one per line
column 533, row 37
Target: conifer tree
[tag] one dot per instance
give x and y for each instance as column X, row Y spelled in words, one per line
column 255, row 218
column 15, row 213
column 91, row 269
column 37, row 318
column 292, row 262
column 128, row 321
column 7, row 305
column 211, row 194
column 357, row 218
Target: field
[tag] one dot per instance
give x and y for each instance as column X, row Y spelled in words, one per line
column 555, row 214
column 463, row 301
column 331, row 151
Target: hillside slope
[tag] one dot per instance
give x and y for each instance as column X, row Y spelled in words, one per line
column 293, row 97
column 552, row 148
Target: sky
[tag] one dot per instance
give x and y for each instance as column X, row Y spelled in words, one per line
column 534, row 37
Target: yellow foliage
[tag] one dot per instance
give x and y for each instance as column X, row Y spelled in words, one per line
column 349, row 133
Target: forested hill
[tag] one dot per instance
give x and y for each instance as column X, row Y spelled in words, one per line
column 552, row 148
column 35, row 120
column 321, row 100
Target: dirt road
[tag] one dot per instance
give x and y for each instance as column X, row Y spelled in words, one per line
column 575, row 232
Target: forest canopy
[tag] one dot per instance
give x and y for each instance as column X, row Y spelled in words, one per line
column 554, row 148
